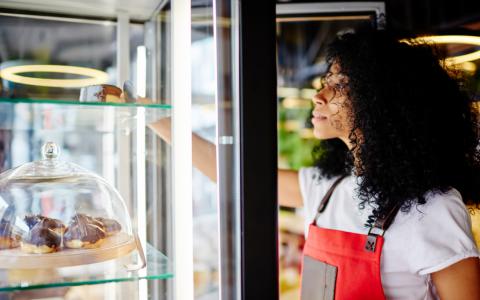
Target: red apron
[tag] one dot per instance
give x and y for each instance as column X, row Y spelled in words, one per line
column 351, row 261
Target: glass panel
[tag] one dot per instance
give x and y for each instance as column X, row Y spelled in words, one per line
column 301, row 44
column 112, row 140
column 39, row 40
column 158, row 267
column 213, row 117
column 125, row 290
column 88, row 135
column 160, row 215
column 214, row 120
column 116, row 140
column 204, row 124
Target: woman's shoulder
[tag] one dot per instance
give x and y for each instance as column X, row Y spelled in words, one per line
column 307, row 173
column 439, row 231
column 437, row 203
column 440, row 208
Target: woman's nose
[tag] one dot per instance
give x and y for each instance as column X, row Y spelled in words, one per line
column 320, row 97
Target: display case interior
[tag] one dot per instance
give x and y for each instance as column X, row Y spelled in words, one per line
column 111, row 170
column 72, row 210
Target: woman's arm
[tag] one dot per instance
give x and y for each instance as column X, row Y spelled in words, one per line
column 203, row 152
column 459, row 281
column 204, row 159
column 289, row 189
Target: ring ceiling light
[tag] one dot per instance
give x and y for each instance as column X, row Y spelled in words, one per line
column 454, row 39
column 93, row 76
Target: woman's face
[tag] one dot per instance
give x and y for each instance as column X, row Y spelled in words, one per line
column 332, row 110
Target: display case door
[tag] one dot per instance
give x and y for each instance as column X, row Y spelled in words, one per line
column 223, row 91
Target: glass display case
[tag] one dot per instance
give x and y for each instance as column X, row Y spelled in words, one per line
column 163, row 228
column 81, row 178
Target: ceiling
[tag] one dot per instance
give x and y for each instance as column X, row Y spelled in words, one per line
column 137, row 9
column 433, row 15
column 416, row 15
column 422, row 15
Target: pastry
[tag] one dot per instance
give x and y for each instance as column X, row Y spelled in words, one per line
column 50, row 223
column 8, row 239
column 110, row 226
column 41, row 239
column 83, row 219
column 84, row 232
column 101, row 93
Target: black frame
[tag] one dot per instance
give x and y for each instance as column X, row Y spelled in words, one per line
column 258, row 150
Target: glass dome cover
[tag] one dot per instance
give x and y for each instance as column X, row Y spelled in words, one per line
column 54, row 207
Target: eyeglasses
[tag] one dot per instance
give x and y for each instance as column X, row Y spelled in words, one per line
column 336, row 82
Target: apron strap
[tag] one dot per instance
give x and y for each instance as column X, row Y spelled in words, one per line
column 326, row 198
column 378, row 229
column 385, row 222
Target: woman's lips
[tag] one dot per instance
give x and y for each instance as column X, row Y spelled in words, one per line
column 317, row 117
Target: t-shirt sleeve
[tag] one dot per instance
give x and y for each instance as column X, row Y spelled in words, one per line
column 441, row 233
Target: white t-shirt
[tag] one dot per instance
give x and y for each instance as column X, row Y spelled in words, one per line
column 428, row 238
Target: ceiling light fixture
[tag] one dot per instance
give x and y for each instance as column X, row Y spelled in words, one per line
column 454, row 39
column 93, row 76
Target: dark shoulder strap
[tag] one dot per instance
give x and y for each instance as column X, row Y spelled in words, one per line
column 326, row 198
column 386, row 221
column 378, row 229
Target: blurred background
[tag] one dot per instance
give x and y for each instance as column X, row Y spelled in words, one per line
column 302, row 34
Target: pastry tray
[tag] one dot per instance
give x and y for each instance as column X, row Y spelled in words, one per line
column 114, row 246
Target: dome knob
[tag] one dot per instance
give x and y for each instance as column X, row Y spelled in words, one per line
column 50, row 150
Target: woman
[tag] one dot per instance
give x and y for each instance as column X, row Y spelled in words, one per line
column 398, row 146
column 400, row 132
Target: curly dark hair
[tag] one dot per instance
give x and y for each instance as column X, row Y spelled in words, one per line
column 419, row 132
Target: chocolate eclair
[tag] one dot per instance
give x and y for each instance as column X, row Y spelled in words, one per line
column 50, row 223
column 85, row 219
column 110, row 226
column 8, row 239
column 81, row 233
column 41, row 239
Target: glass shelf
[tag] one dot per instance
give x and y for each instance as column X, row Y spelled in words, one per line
column 158, row 268
column 76, row 116
column 71, row 102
